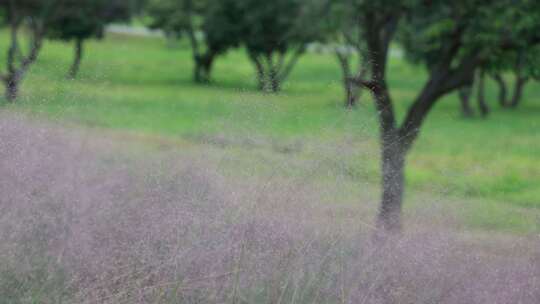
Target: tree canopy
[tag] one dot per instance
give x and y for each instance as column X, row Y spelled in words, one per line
column 272, row 31
column 206, row 24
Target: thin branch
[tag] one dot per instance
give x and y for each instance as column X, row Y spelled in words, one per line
column 368, row 84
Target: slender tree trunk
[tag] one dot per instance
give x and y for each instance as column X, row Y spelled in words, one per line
column 74, row 70
column 17, row 67
column 465, row 98
column 208, row 65
column 393, row 155
column 503, row 91
column 259, row 70
column 520, row 81
column 11, row 84
column 393, row 184
column 482, row 105
column 198, row 76
column 518, row 91
column 349, row 87
column 272, row 80
column 11, row 78
column 351, row 93
column 203, row 67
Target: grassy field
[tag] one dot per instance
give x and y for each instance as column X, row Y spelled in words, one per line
column 487, row 170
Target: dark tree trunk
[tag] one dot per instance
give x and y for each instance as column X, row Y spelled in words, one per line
column 465, row 98
column 12, row 88
column 351, row 90
column 393, row 154
column 17, row 66
column 274, row 84
column 74, row 70
column 520, row 82
column 518, row 91
column 482, row 105
column 259, row 69
column 351, row 93
column 203, row 67
column 503, row 91
column 393, row 183
column 272, row 77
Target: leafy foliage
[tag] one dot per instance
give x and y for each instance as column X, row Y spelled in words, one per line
column 84, row 19
column 269, row 32
column 207, row 24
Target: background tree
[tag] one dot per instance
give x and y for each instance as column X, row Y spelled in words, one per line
column 465, row 93
column 523, row 66
column 34, row 15
column 522, row 61
column 452, row 39
column 344, row 34
column 206, row 24
column 521, row 27
column 276, row 35
column 79, row 20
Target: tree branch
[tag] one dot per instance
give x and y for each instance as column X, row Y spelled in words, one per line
column 440, row 83
column 368, row 84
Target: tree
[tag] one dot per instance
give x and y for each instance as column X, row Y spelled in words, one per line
column 344, row 34
column 522, row 67
column 452, row 39
column 33, row 15
column 465, row 98
column 275, row 36
column 79, row 20
column 207, row 25
column 522, row 60
column 481, row 97
column 466, row 91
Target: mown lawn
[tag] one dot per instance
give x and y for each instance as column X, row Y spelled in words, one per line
column 141, row 85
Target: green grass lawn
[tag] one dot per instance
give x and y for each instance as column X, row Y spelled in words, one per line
column 141, row 85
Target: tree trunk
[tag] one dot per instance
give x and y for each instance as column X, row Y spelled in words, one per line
column 349, row 87
column 465, row 98
column 351, row 93
column 503, row 92
column 259, row 69
column 208, row 65
column 203, row 67
column 260, row 77
column 17, row 67
column 482, row 105
column 274, row 84
column 272, row 81
column 393, row 183
column 74, row 70
column 518, row 91
column 11, row 88
column 198, row 75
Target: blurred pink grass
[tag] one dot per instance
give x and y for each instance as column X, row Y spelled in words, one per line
column 82, row 221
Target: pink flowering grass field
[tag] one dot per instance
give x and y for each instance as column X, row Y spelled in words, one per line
column 85, row 219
